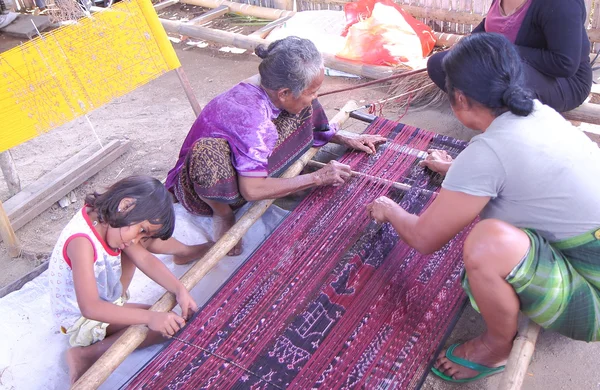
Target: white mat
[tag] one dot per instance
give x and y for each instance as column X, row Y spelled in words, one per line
column 32, row 349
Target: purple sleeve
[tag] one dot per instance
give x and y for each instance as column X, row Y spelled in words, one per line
column 322, row 137
column 322, row 130
column 251, row 147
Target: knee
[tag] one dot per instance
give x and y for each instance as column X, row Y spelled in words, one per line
column 435, row 71
column 491, row 243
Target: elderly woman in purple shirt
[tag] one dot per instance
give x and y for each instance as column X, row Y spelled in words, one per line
column 246, row 137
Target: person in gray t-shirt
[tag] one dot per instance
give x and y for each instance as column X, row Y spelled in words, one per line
column 532, row 178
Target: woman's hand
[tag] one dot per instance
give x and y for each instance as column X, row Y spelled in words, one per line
column 381, row 209
column 166, row 323
column 437, row 160
column 334, row 173
column 363, row 142
column 186, row 302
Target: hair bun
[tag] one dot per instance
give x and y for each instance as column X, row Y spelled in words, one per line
column 518, row 100
column 261, row 51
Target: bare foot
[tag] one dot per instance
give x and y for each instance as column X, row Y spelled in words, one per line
column 78, row 362
column 221, row 224
column 193, row 252
column 476, row 351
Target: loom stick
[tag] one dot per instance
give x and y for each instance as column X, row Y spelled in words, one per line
column 136, row 334
column 400, row 186
column 520, row 356
column 189, row 93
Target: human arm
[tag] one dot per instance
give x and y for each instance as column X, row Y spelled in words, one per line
column 480, row 28
column 561, row 23
column 81, row 253
column 258, row 188
column 437, row 160
column 364, row 142
column 449, row 213
column 157, row 271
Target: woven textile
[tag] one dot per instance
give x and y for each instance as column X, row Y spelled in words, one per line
column 330, row 299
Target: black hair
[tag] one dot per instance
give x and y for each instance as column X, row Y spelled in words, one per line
column 487, row 69
column 151, row 202
column 291, row 63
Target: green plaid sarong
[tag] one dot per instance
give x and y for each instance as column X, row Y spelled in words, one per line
column 558, row 284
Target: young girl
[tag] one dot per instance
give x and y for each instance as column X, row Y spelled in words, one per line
column 94, row 260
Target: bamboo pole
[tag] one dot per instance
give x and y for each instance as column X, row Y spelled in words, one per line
column 520, row 356
column 9, row 170
column 135, row 335
column 7, row 233
column 189, row 93
column 273, row 14
column 250, row 42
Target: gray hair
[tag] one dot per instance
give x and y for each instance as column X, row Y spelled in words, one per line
column 291, row 63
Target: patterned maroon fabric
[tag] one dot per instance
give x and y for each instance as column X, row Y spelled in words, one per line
column 330, row 299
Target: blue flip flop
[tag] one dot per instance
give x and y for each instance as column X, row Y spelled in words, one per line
column 483, row 371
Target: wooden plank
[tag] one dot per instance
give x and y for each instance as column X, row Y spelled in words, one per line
column 7, row 233
column 9, row 170
column 210, row 15
column 165, row 4
column 520, row 356
column 40, row 195
column 587, row 112
column 244, row 9
column 135, row 335
column 17, row 284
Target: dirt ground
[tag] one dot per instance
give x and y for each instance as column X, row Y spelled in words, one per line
column 156, row 118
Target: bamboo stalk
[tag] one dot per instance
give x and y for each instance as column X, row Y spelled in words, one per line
column 9, row 170
column 135, row 335
column 189, row 93
column 520, row 356
column 443, row 40
column 7, row 233
column 251, row 42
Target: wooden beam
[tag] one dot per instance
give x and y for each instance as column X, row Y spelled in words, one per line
column 135, row 335
column 443, row 40
column 244, row 9
column 520, row 356
column 587, row 112
column 189, row 93
column 210, row 15
column 40, row 195
column 9, row 170
column 250, row 43
column 17, row 284
column 7, row 233
column 165, row 4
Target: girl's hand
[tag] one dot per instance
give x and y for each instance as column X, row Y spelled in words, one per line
column 364, row 142
column 381, row 208
column 166, row 323
column 186, row 302
column 437, row 160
